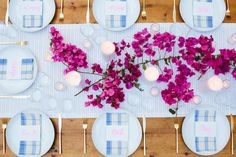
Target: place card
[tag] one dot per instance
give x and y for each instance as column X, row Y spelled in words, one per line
column 115, row 7
column 117, row 133
column 31, row 7
column 13, row 71
column 30, row 133
column 202, row 8
column 205, row 129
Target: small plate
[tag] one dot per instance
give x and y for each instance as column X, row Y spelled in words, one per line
column 16, row 17
column 99, row 132
column 186, row 12
column 222, row 131
column 133, row 11
column 17, row 86
column 47, row 133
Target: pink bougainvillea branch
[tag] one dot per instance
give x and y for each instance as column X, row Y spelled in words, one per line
column 183, row 58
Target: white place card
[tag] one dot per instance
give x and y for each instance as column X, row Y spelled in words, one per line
column 30, row 133
column 205, row 129
column 117, row 133
column 13, row 69
column 32, row 8
column 202, row 8
column 115, row 8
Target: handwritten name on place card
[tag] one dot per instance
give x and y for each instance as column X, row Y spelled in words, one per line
column 13, row 69
column 31, row 8
column 117, row 133
column 205, row 129
column 30, row 132
column 203, row 8
column 115, row 8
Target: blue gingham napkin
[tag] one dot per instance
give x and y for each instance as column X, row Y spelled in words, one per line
column 30, row 147
column 118, row 146
column 202, row 21
column 33, row 21
column 205, row 143
column 115, row 20
column 27, row 69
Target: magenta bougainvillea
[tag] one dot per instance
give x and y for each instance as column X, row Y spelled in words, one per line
column 183, row 58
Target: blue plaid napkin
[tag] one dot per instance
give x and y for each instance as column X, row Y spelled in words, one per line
column 30, row 147
column 27, row 69
column 116, row 147
column 33, row 21
column 115, row 21
column 204, row 144
column 202, row 21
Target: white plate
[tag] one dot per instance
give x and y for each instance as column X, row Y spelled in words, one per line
column 133, row 11
column 99, row 133
column 47, row 133
column 17, row 86
column 16, row 17
column 186, row 11
column 222, row 132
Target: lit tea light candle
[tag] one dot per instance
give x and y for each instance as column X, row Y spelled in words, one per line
column 155, row 28
column 151, row 73
column 108, row 48
column 197, row 99
column 87, row 44
column 48, row 57
column 226, row 84
column 59, row 86
column 154, row 91
column 73, row 78
column 215, row 83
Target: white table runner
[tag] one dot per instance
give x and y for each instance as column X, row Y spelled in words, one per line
column 139, row 103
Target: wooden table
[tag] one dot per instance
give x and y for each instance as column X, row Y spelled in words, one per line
column 160, row 136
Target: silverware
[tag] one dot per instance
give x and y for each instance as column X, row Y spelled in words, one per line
column 61, row 15
column 176, row 126
column 144, row 13
column 20, row 43
column 7, row 14
column 144, row 135
column 227, row 13
column 4, row 127
column 174, row 12
column 232, row 133
column 85, row 126
column 88, row 12
column 15, row 96
column 60, row 132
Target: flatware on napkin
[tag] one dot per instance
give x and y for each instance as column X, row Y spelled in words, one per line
column 7, row 14
column 144, row 13
column 117, row 134
column 227, row 13
column 88, row 12
column 85, row 126
column 232, row 133
column 4, row 127
column 20, row 43
column 176, row 126
column 144, row 135
column 61, row 15
column 60, row 132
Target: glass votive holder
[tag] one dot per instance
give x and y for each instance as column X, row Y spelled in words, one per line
column 67, row 105
column 59, row 86
column 154, row 91
column 196, row 100
column 155, row 27
column 87, row 30
column 87, row 44
column 36, row 95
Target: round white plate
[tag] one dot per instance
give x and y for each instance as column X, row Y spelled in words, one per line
column 99, row 133
column 133, row 11
column 16, row 17
column 222, row 131
column 186, row 12
column 17, row 86
column 47, row 133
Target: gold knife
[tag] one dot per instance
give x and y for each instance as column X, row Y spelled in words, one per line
column 232, row 133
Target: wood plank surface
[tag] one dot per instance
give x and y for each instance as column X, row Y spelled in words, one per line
column 160, row 131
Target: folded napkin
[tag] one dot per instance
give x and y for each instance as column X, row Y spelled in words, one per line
column 205, row 130
column 30, row 132
column 115, row 11
column 32, row 13
column 17, row 69
column 202, row 13
column 116, row 134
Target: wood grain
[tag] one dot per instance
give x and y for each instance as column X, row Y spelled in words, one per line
column 160, row 135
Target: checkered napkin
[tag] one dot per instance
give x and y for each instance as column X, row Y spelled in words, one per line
column 202, row 21
column 33, row 21
column 116, row 147
column 204, row 144
column 115, row 21
column 30, row 147
column 27, row 69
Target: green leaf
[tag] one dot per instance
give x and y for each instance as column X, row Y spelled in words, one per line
column 172, row 111
column 122, row 72
column 144, row 67
column 166, row 61
column 137, row 85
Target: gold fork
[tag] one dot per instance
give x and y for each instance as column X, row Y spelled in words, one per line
column 232, row 133
column 228, row 10
column 144, row 13
column 61, row 15
column 176, row 126
column 85, row 126
column 20, row 43
column 7, row 14
column 4, row 127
